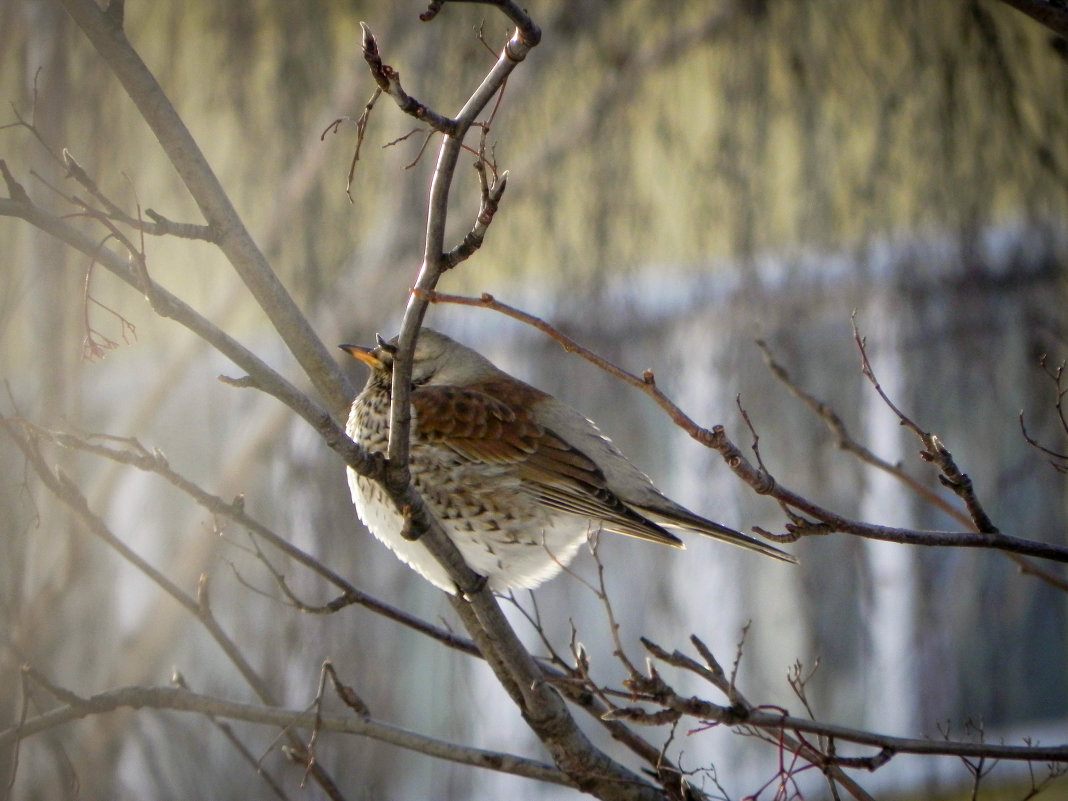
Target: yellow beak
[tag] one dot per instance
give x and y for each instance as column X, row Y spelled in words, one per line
column 365, row 355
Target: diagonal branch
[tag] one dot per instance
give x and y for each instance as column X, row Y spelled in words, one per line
column 1051, row 13
column 166, row 304
column 136, row 455
column 845, row 441
column 934, row 451
column 543, row 709
column 762, row 482
column 388, row 80
column 231, row 235
column 200, row 607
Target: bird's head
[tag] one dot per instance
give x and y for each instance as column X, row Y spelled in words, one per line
column 437, row 360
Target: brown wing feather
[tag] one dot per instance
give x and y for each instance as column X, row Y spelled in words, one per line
column 474, row 424
column 492, row 422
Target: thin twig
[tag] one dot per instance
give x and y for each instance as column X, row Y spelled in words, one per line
column 135, row 454
column 760, row 480
column 388, row 80
column 361, row 131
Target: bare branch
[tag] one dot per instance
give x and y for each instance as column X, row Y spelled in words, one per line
column 1051, row 13
column 762, row 482
column 69, row 494
column 655, row 689
column 178, row 680
column 361, row 130
column 934, row 451
column 176, row 698
column 112, row 211
column 232, row 237
column 136, row 455
column 1058, row 459
column 527, row 33
column 168, row 305
column 388, row 80
column 846, row 442
column 492, row 191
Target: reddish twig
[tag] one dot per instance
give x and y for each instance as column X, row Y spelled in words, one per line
column 763, row 483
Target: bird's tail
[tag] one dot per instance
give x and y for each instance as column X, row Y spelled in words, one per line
column 690, row 522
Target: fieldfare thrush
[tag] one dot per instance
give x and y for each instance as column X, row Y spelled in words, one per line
column 518, row 479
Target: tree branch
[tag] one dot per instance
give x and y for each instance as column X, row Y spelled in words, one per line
column 165, row 304
column 1051, row 13
column 230, row 233
column 542, row 707
column 763, row 483
column 136, row 455
column 760, row 480
column 179, row 699
column 845, row 441
column 654, row 688
column 388, row 80
column 69, row 494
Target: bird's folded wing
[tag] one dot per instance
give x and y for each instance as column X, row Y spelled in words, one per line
column 480, row 427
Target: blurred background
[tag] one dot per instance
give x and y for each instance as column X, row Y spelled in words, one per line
column 683, row 181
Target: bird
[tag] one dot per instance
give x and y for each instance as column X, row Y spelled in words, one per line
column 518, row 479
